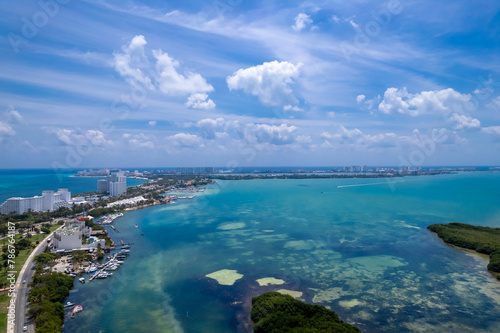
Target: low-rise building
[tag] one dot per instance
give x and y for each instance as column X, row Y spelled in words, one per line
column 70, row 237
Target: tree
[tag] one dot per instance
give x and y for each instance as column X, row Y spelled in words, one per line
column 44, row 258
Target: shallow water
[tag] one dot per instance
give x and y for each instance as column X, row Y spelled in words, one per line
column 364, row 251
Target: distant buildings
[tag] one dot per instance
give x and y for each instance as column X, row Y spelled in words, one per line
column 49, row 201
column 194, row 171
column 115, row 184
column 92, row 173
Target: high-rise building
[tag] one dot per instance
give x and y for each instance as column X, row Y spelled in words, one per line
column 102, row 186
column 115, row 183
column 49, row 201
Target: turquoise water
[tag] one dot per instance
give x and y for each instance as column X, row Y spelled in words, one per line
column 363, row 251
column 28, row 183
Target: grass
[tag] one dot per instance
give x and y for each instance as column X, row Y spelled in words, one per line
column 19, row 260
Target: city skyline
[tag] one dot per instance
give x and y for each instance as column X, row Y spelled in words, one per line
column 236, row 84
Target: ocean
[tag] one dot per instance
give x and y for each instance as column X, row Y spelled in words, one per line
column 357, row 246
column 31, row 182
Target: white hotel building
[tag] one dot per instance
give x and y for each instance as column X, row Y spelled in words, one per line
column 48, row 201
column 115, row 184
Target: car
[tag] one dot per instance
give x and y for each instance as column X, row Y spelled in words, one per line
column 25, row 329
column 24, row 281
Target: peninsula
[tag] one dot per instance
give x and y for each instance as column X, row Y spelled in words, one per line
column 480, row 239
column 275, row 312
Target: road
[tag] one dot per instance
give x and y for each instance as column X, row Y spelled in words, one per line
column 23, row 290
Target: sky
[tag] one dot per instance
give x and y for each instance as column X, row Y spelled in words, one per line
column 230, row 83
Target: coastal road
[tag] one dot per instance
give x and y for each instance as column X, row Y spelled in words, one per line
column 23, row 290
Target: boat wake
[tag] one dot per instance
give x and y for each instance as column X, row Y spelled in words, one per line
column 368, row 184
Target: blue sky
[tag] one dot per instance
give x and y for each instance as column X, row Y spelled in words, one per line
column 249, row 83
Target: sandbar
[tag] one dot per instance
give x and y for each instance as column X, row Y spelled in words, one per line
column 269, row 281
column 226, row 277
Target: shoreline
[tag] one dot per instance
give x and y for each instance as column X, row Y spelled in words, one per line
column 471, row 251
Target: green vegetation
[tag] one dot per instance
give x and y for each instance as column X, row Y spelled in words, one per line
column 46, row 296
column 481, row 239
column 273, row 312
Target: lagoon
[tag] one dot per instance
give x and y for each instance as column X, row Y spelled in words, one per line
column 363, row 251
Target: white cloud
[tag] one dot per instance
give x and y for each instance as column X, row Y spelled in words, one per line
column 152, row 123
column 442, row 136
column 495, row 103
column 5, row 130
column 301, row 21
column 162, row 74
column 250, row 133
column 292, row 108
column 133, row 63
column 357, row 138
column 463, row 122
column 200, row 101
column 427, row 102
column 335, row 19
column 14, row 116
column 360, row 99
column 140, row 141
column 185, row 140
column 269, row 81
column 272, row 134
column 495, row 130
column 211, row 128
column 79, row 137
column 172, row 83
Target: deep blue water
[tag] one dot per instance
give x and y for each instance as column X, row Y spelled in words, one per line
column 31, row 182
column 363, row 250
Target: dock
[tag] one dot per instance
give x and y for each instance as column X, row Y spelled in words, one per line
column 103, row 268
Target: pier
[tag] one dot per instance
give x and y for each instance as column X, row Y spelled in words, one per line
column 106, row 265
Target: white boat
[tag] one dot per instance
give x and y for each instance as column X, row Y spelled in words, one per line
column 69, row 304
column 82, row 280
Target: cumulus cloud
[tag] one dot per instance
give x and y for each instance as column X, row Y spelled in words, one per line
column 140, row 141
column 152, row 123
column 301, row 21
column 158, row 74
column 14, row 116
column 79, row 137
column 357, row 138
column 272, row 134
column 211, row 128
column 360, row 99
column 292, row 108
column 132, row 64
column 200, row 101
column 5, row 130
column 464, row 122
column 427, row 102
column 172, row 83
column 270, row 82
column 250, row 133
column 442, row 136
column 494, row 130
column 185, row 140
